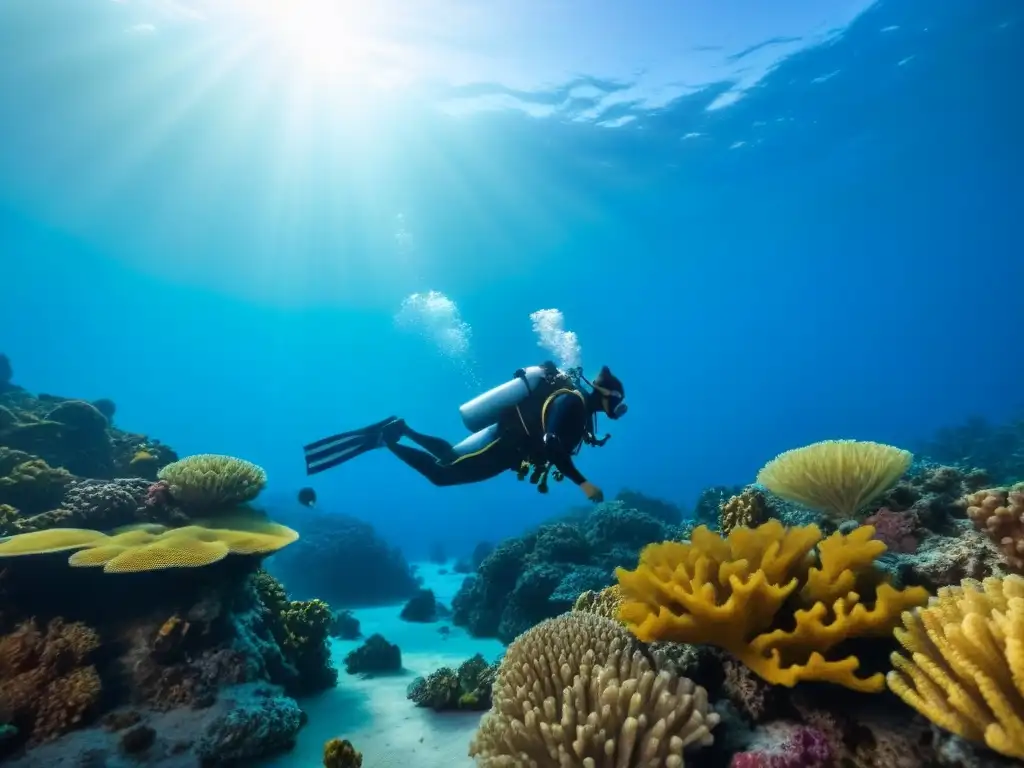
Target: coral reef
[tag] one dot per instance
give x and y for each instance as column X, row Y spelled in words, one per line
column 301, row 629
column 735, row 593
column 47, row 684
column 468, row 687
column 578, row 688
column 130, row 627
column 540, row 575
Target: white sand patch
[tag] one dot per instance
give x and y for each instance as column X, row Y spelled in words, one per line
column 374, row 713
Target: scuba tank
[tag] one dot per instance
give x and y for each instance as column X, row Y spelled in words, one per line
column 485, row 410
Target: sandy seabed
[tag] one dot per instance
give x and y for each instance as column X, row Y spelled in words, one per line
column 374, row 713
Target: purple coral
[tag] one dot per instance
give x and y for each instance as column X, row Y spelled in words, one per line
column 895, row 529
column 102, row 503
column 800, row 747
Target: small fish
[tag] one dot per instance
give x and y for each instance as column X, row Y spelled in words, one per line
column 444, row 631
column 307, row 497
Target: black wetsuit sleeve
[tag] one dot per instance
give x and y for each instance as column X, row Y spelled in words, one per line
column 565, row 424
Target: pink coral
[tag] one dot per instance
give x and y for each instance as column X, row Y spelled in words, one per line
column 895, row 529
column 801, row 747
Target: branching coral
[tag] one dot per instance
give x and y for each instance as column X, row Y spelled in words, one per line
column 210, row 482
column 578, row 689
column 761, row 595
column 835, row 477
column 1000, row 513
column 47, row 686
column 966, row 666
column 748, row 508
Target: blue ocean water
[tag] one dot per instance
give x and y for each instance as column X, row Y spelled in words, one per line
column 776, row 224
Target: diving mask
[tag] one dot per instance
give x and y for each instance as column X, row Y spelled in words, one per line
column 614, row 405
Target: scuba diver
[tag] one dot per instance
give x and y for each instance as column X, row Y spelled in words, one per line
column 533, row 424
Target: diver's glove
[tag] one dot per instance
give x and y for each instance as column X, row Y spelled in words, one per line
column 594, row 493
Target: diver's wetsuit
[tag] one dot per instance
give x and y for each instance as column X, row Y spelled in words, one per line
column 533, row 433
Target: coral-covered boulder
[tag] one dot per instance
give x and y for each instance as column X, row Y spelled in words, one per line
column 344, row 561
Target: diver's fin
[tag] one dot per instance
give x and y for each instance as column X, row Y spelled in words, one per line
column 329, row 452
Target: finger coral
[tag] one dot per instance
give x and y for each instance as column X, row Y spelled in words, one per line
column 47, row 686
column 1000, row 513
column 966, row 667
column 210, row 482
column 763, row 596
column 835, row 477
column 577, row 690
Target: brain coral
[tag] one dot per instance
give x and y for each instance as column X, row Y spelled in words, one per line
column 209, row 482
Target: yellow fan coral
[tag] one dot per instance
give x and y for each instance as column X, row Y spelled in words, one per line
column 577, row 689
column 733, row 592
column 836, row 477
column 209, row 481
column 966, row 671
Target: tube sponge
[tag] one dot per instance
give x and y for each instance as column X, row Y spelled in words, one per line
column 578, row 690
column 836, row 477
column 735, row 593
column 966, row 667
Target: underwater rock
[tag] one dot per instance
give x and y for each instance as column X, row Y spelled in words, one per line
column 528, row 579
column 374, row 656
column 344, row 561
column 345, row 626
column 421, row 607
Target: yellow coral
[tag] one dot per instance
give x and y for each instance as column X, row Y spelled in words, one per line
column 209, row 481
column 604, row 603
column 148, row 547
column 52, row 540
column 966, row 671
column 836, row 477
column 339, row 753
column 730, row 593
